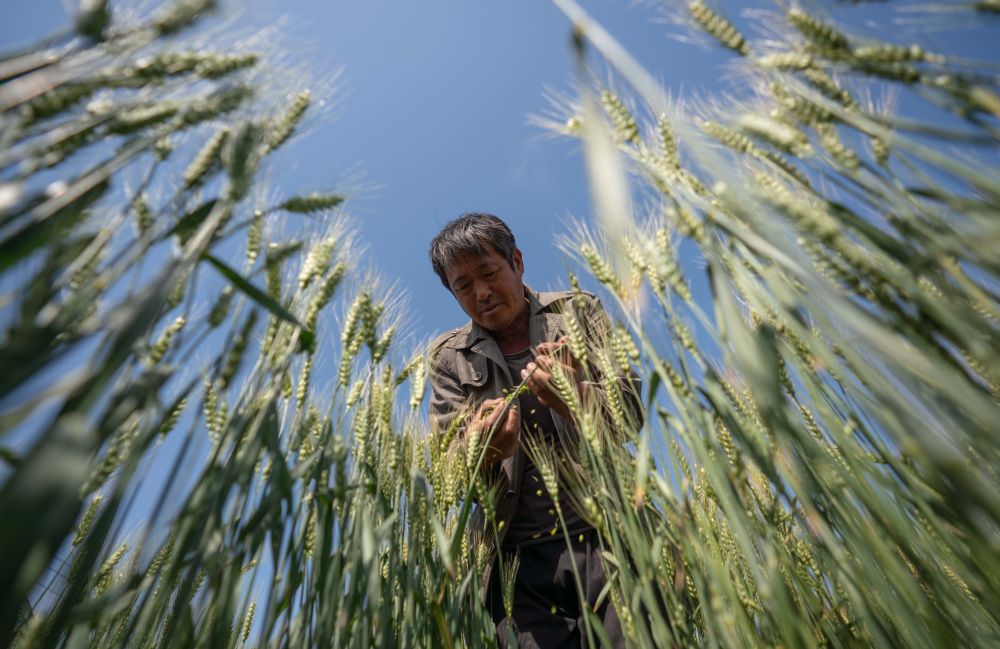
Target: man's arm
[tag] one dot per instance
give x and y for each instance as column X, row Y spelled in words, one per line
column 449, row 400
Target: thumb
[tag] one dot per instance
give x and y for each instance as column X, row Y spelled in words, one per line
column 513, row 415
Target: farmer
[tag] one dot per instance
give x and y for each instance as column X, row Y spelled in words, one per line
column 516, row 334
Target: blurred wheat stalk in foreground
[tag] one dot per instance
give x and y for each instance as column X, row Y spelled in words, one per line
column 192, row 459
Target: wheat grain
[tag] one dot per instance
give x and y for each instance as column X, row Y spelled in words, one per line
column 824, row 36
column 719, row 27
column 220, row 65
column 317, row 261
column 626, row 128
column 787, row 61
column 283, row 127
column 247, row 623
column 87, row 520
column 311, row 203
column 162, row 344
column 205, row 159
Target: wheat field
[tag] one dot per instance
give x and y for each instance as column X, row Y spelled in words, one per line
column 806, row 281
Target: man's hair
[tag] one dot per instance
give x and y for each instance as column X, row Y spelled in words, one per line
column 473, row 233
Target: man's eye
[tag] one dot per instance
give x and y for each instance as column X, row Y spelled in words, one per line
column 492, row 274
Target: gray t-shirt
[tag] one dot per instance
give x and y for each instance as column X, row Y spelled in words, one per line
column 535, row 519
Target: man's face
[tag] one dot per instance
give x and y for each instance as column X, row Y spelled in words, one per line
column 489, row 290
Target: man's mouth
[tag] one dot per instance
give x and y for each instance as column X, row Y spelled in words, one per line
column 486, row 310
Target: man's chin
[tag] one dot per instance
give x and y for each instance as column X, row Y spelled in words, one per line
column 490, row 315
column 489, row 322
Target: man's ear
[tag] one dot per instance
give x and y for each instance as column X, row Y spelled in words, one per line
column 518, row 261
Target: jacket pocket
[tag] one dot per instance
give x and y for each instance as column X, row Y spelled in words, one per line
column 472, row 371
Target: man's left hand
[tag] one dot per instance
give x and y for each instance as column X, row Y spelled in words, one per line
column 550, row 358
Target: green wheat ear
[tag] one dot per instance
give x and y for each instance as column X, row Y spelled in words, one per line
column 723, row 30
column 87, row 520
column 205, row 159
column 311, row 203
column 180, row 13
column 600, row 268
column 787, row 61
column 284, row 126
column 823, row 35
column 214, row 67
column 625, row 125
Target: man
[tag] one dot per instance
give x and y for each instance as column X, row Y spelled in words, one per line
column 515, row 335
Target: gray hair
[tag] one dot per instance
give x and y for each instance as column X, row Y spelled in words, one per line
column 473, row 233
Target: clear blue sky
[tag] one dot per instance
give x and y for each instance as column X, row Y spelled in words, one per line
column 438, row 96
column 432, row 110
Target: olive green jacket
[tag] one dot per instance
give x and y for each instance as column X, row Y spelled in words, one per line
column 467, row 367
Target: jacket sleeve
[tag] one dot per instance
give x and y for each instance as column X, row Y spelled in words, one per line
column 447, row 396
column 449, row 401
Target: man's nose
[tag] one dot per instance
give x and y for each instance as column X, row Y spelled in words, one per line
column 483, row 291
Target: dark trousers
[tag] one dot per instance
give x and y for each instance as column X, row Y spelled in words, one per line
column 547, row 611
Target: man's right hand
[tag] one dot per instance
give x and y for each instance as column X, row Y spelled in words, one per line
column 505, row 439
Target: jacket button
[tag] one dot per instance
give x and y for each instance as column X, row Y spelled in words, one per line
column 509, row 494
column 476, row 376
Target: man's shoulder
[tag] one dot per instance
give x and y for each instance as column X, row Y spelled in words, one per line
column 450, row 338
column 558, row 299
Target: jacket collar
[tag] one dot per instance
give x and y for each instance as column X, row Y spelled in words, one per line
column 472, row 333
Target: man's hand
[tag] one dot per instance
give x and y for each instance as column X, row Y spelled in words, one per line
column 504, row 442
column 552, row 357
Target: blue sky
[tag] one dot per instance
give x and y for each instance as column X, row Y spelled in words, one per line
column 436, row 114
column 429, row 118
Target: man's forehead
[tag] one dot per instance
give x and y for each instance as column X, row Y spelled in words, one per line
column 473, row 262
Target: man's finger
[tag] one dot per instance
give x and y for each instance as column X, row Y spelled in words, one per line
column 544, row 362
column 483, row 421
column 549, row 366
column 491, row 421
column 531, row 375
column 548, row 348
column 489, row 403
column 510, row 422
column 490, row 406
column 556, row 351
column 539, row 383
column 513, row 416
